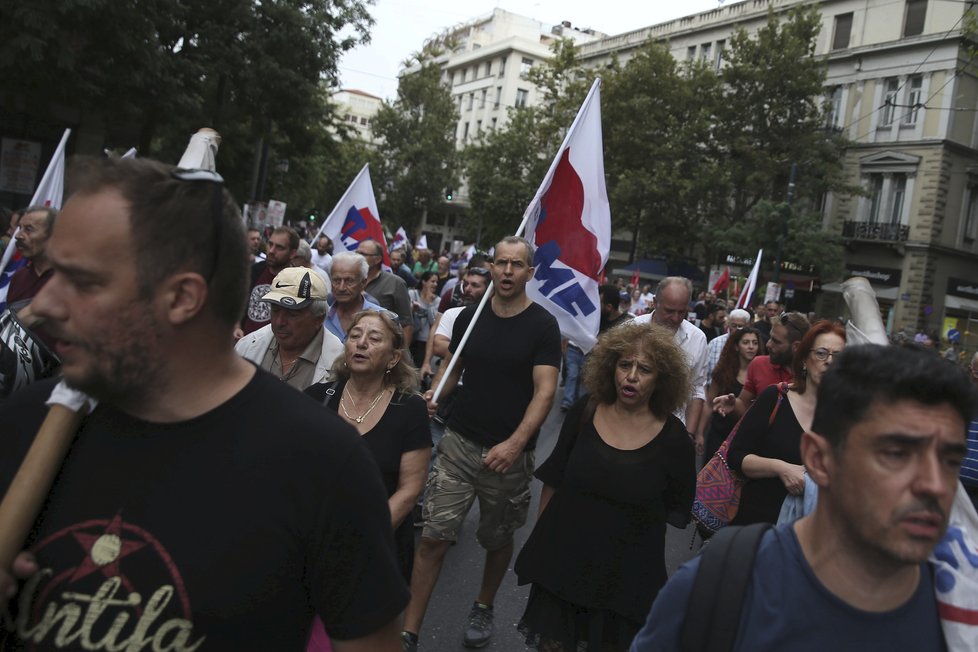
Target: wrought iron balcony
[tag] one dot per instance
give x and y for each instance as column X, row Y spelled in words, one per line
column 875, row 231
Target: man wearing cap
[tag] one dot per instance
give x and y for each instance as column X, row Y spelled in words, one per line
column 294, row 346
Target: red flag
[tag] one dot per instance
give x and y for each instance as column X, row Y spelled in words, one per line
column 635, row 278
column 722, row 282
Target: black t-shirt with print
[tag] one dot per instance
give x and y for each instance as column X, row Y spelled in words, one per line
column 229, row 531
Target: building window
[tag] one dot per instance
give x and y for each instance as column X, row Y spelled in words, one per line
column 890, row 90
column 521, row 97
column 363, row 121
column 478, row 127
column 691, row 53
column 888, row 195
column 465, row 72
column 494, row 124
column 914, row 86
column 499, row 96
column 460, row 103
column 482, row 99
column 834, row 117
column 465, row 131
column 502, row 66
column 705, row 51
column 525, row 66
column 721, row 45
column 970, row 231
column 913, row 22
column 843, row 30
column 488, row 68
column 471, row 100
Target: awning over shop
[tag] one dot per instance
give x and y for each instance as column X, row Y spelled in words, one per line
column 885, row 293
column 960, row 303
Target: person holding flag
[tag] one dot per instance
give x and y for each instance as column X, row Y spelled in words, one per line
column 507, row 394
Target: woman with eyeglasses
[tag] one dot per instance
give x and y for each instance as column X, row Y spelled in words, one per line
column 728, row 378
column 767, row 446
column 374, row 390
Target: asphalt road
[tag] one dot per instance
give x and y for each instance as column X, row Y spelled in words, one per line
column 462, row 572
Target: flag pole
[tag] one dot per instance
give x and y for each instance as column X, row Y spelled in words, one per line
column 342, row 201
column 534, row 205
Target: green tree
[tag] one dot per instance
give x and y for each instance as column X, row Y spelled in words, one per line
column 417, row 159
column 505, row 167
column 658, row 118
column 770, row 116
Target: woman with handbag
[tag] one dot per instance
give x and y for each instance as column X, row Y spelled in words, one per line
column 623, row 467
column 766, row 449
column 728, row 378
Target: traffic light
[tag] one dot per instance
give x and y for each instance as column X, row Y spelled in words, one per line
column 312, row 218
column 449, row 194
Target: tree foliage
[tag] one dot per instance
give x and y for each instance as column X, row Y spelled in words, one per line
column 417, row 159
column 505, row 167
column 157, row 70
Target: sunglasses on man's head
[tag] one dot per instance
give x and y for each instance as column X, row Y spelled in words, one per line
column 217, row 204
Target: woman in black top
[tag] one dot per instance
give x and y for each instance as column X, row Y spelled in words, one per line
column 622, row 468
column 374, row 391
column 768, row 450
column 741, row 347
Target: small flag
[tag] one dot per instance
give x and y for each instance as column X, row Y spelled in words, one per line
column 569, row 222
column 356, row 218
column 722, row 282
column 745, row 296
column 635, row 277
column 422, row 242
column 50, row 192
column 467, row 255
column 400, row 239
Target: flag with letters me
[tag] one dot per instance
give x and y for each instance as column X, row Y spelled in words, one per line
column 50, row 192
column 356, row 218
column 569, row 223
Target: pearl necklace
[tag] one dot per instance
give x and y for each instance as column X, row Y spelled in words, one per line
column 349, row 395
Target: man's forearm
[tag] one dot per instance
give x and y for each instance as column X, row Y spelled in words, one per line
column 693, row 412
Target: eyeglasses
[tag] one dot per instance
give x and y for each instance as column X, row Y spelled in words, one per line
column 479, row 271
column 786, row 321
column 217, row 205
column 824, row 354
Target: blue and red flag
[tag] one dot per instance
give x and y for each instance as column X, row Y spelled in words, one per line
column 356, row 218
column 50, row 192
column 569, row 223
column 400, row 239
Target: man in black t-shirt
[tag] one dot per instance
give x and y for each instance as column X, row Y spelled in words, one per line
column 510, row 363
column 203, row 504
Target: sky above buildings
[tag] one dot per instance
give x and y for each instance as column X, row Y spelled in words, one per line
column 402, row 26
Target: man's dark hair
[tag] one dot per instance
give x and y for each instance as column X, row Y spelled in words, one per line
column 50, row 215
column 292, row 233
column 610, row 295
column 174, row 227
column 868, row 374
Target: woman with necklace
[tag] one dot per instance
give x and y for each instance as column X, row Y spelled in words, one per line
column 623, row 467
column 373, row 389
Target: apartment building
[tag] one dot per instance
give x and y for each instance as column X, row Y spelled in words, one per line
column 357, row 109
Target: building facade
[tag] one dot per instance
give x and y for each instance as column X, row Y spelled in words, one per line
column 901, row 89
column 358, row 109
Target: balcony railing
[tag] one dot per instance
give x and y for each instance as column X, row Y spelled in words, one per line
column 875, row 231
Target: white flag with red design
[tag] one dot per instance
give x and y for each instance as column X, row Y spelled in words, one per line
column 744, row 300
column 569, row 223
column 356, row 218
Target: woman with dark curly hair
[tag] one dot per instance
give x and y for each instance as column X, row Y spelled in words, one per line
column 373, row 389
column 622, row 468
column 728, row 378
column 767, row 450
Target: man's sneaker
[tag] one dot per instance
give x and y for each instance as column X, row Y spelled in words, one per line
column 409, row 642
column 478, row 630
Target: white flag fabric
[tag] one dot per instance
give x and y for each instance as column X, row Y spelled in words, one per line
column 130, row 153
column 201, row 152
column 400, row 239
column 356, row 218
column 569, row 223
column 422, row 242
column 749, row 286
column 467, row 255
column 50, row 192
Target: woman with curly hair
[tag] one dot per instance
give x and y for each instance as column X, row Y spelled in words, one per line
column 622, row 468
column 728, row 378
column 373, row 389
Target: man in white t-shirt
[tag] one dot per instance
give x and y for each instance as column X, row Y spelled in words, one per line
column 322, row 256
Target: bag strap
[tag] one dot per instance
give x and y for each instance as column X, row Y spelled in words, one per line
column 716, row 601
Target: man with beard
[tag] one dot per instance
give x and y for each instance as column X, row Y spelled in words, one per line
column 282, row 245
column 474, row 286
column 203, row 503
column 771, row 369
column 885, row 447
